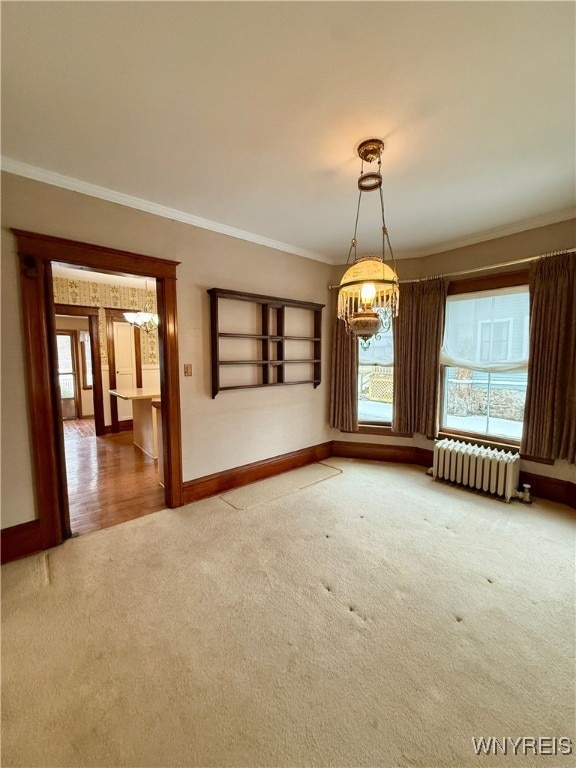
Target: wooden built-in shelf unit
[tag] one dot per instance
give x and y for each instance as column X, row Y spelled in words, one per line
column 263, row 341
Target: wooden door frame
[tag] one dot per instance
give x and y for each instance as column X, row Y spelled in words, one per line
column 36, row 252
column 112, row 316
column 92, row 313
column 73, row 334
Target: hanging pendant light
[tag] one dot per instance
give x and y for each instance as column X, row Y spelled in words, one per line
column 145, row 319
column 368, row 290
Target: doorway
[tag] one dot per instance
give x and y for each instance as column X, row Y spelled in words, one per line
column 37, row 253
column 68, row 379
column 108, row 479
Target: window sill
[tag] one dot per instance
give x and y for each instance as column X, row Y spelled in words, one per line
column 365, row 428
column 374, row 429
column 487, row 441
column 385, row 430
column 508, row 445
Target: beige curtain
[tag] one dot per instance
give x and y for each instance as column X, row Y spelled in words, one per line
column 344, row 384
column 550, row 411
column 418, row 332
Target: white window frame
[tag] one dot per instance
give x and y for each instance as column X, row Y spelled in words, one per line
column 492, row 323
column 443, row 416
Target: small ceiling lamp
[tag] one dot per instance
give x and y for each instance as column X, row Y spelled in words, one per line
column 145, row 319
column 368, row 291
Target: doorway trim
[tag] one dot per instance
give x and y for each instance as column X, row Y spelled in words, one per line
column 36, row 252
column 73, row 336
column 76, row 310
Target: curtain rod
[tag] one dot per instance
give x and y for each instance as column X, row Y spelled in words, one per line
column 492, row 266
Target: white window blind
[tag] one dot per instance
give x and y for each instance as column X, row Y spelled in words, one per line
column 487, row 331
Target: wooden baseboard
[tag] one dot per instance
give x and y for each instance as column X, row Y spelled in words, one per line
column 123, row 426
column 212, row 485
column 571, row 495
column 542, row 487
column 21, row 540
column 550, row 488
column 28, row 538
column 400, row 454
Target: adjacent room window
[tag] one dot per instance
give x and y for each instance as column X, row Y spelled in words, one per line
column 66, row 342
column 484, row 362
column 86, row 361
column 375, row 377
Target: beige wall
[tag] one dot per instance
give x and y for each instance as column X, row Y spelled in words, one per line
column 522, row 245
column 237, row 427
column 511, row 248
column 16, row 473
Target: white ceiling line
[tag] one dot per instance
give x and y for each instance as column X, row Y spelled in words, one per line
column 566, row 214
column 75, row 185
column 35, row 173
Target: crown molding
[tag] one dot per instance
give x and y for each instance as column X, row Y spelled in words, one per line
column 103, row 193
column 18, row 168
column 492, row 234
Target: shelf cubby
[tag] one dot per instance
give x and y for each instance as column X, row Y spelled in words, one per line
column 270, row 334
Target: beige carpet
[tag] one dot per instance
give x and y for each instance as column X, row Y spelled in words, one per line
column 282, row 485
column 373, row 618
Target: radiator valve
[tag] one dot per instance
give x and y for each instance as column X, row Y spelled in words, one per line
column 524, row 494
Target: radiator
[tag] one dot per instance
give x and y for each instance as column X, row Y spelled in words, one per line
column 485, row 469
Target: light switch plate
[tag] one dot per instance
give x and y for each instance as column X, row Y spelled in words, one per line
column 187, row 369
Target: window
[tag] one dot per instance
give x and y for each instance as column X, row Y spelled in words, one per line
column 66, row 367
column 375, row 378
column 66, row 346
column 485, row 365
column 86, row 360
column 494, row 340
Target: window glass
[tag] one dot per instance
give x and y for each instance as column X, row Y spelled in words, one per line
column 65, row 365
column 375, row 378
column 86, row 355
column 484, row 403
column 484, row 359
column 64, row 342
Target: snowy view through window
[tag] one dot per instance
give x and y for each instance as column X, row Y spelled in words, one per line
column 485, row 357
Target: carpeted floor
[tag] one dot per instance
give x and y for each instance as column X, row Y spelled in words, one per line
column 358, row 614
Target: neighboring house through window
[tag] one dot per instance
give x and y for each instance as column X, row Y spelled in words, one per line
column 494, row 340
column 484, row 362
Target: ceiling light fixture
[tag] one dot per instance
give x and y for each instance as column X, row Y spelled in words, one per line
column 368, row 291
column 145, row 319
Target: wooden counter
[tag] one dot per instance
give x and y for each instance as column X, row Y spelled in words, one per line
column 143, row 417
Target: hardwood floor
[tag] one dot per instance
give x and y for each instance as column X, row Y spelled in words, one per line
column 75, row 428
column 110, row 480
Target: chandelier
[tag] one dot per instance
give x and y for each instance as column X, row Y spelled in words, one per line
column 145, row 319
column 368, row 291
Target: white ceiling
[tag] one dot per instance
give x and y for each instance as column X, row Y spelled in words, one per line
column 244, row 116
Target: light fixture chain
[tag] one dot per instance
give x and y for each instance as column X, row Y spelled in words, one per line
column 354, row 242
column 385, row 238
